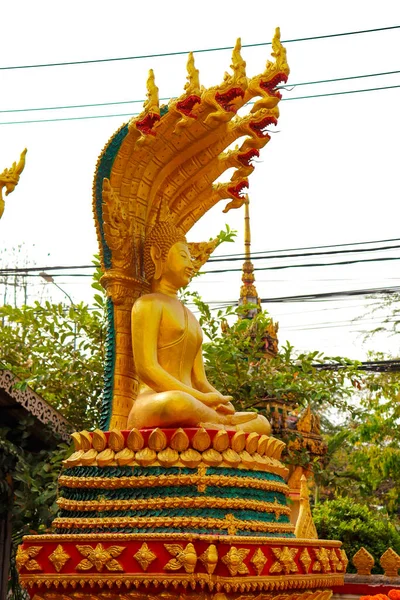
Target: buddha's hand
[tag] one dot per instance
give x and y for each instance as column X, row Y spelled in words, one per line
column 226, row 409
column 215, row 399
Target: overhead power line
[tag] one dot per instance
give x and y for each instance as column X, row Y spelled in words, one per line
column 333, row 295
column 317, row 247
column 290, row 85
column 262, row 255
column 130, row 115
column 317, row 297
column 302, row 255
column 198, row 51
column 167, row 99
column 22, row 270
column 377, row 366
column 388, row 87
column 302, row 266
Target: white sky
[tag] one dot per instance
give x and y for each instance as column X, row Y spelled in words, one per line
column 329, row 176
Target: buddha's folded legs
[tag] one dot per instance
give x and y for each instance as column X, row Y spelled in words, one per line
column 171, row 409
column 179, row 409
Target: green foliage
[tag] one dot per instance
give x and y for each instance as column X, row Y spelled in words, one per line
column 28, row 486
column 59, row 351
column 376, row 438
column 32, row 489
column 226, row 235
column 236, row 364
column 356, row 526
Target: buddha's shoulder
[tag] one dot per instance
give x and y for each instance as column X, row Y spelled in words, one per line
column 149, row 302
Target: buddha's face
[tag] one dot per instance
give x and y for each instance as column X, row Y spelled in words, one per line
column 178, row 268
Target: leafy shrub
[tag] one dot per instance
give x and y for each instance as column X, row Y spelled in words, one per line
column 356, row 526
column 28, row 488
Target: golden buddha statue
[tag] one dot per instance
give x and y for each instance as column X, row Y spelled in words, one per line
column 167, row 346
column 154, row 180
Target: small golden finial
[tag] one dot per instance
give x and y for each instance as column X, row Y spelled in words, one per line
column 248, row 292
column 9, row 179
column 152, row 103
column 193, row 81
column 304, row 491
column 247, row 233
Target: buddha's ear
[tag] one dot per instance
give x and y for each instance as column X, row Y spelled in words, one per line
column 156, row 257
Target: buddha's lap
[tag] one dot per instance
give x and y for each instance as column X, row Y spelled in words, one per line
column 180, row 409
column 168, row 408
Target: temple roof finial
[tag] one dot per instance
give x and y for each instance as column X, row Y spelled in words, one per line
column 248, row 292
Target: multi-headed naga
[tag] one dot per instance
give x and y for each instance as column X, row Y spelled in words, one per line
column 154, row 181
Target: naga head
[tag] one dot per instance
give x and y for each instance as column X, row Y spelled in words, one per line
column 10, row 186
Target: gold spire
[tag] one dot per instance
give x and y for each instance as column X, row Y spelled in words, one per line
column 248, row 292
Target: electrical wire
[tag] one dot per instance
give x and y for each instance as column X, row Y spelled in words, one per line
column 265, row 255
column 292, row 85
column 332, row 295
column 333, row 264
column 167, row 99
column 59, row 119
column 323, row 296
column 130, row 115
column 388, row 87
column 326, row 253
column 56, row 268
column 184, row 52
column 317, row 247
column 378, row 366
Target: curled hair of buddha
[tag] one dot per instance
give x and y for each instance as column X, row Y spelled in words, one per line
column 162, row 237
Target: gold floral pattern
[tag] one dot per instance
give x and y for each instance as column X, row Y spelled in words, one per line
column 145, row 556
column 285, row 560
column 344, row 559
column 322, row 563
column 234, row 560
column 259, row 560
column 58, row 558
column 99, row 557
column 25, row 558
column 305, row 559
column 336, row 563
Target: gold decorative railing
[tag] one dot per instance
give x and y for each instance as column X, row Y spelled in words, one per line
column 389, row 561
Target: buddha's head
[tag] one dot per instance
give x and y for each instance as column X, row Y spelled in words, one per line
column 167, row 256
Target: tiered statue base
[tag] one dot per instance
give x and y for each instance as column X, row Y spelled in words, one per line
column 176, row 513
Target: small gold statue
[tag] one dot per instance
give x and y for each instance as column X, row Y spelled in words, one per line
column 167, row 340
column 9, row 179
